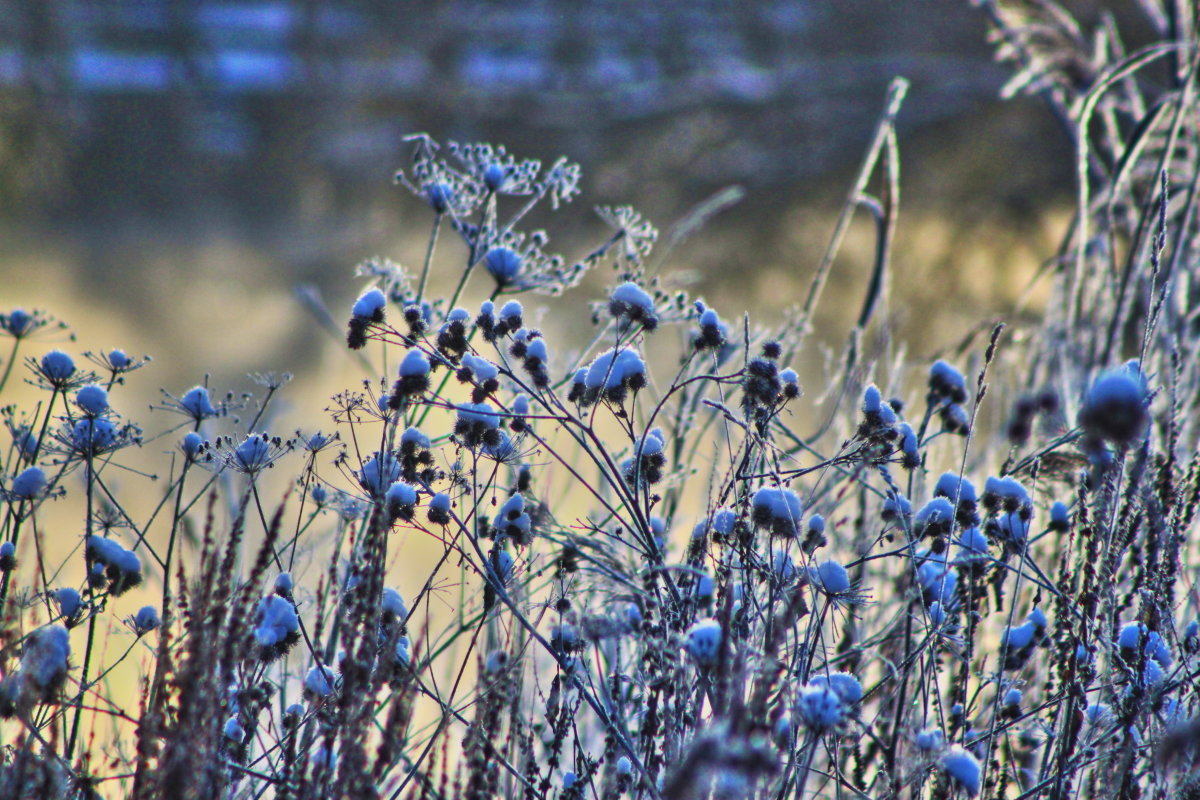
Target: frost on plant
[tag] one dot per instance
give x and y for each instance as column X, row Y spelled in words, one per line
column 638, row 562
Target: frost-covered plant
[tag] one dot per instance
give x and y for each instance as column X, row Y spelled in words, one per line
column 530, row 568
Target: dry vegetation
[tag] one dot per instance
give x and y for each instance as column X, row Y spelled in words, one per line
column 650, row 576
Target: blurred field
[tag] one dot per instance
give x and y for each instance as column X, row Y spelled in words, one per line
column 175, row 214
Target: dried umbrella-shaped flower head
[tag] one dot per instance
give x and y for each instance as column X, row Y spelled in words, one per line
column 92, row 400
column 496, row 169
column 196, row 403
column 28, row 485
column 192, row 445
column 116, row 363
column 504, row 264
column 253, row 454
column 89, row 437
column 56, row 370
column 21, row 324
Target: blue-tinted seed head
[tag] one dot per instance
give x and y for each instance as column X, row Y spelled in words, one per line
column 872, row 400
column 370, row 305
column 504, row 264
column 57, row 366
column 831, row 578
column 495, row 176
column 254, row 453
column 947, row 383
column 118, row 360
column 93, row 435
column 703, row 642
column 1115, row 408
column 440, row 196
column 93, row 399
column 962, row 769
column 18, row 322
column 146, row 620
column 69, row 601
column 197, row 403
column 819, row 707
column 29, row 484
column 191, row 444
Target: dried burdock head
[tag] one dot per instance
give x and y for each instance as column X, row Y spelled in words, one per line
column 276, row 627
column 122, row 569
column 368, row 310
column 512, row 522
column 477, row 425
column 400, row 500
column 712, row 333
column 761, row 386
column 438, row 509
column 778, row 510
column 1007, row 494
column 934, row 520
column 955, row 419
column 645, row 467
column 947, row 384
column 413, row 380
column 959, row 490
column 814, row 535
column 1019, row 642
column 532, row 349
column 630, row 304
column 482, row 374
column 1116, row 408
column 961, row 769
column 611, row 376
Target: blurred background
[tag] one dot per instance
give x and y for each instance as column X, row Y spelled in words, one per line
column 170, row 169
